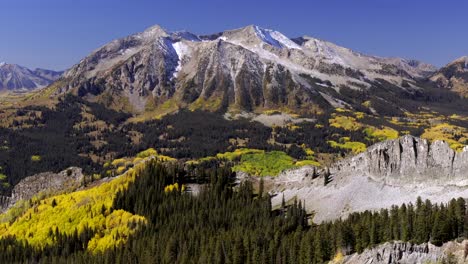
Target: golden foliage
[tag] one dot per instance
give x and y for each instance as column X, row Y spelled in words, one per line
column 455, row 136
column 36, row 158
column 147, row 153
column 354, row 146
column 174, row 187
column 74, row 211
column 345, row 122
column 382, row 134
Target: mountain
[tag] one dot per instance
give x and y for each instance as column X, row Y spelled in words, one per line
column 454, row 76
column 14, row 77
column 248, row 69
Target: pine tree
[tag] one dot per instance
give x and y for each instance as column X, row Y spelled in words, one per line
column 420, row 222
column 318, row 249
column 460, row 215
column 403, row 223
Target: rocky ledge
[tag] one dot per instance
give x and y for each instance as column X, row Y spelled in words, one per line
column 401, row 252
column 46, row 183
column 408, row 160
column 388, row 173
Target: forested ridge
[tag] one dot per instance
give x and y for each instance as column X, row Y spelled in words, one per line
column 54, row 139
column 228, row 223
column 76, row 132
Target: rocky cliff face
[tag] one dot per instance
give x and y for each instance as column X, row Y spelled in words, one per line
column 454, row 76
column 246, row 68
column 408, row 160
column 389, row 173
column 400, row 252
column 46, row 183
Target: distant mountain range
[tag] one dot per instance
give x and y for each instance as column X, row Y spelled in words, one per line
column 247, row 69
column 14, row 77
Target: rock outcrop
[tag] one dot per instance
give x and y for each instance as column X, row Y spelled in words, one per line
column 46, row 183
column 401, row 252
column 388, row 173
column 408, row 160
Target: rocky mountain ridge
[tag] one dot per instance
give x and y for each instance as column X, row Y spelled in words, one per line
column 454, row 76
column 14, row 77
column 247, row 69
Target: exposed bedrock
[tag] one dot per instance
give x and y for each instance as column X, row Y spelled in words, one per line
column 388, row 173
column 46, row 183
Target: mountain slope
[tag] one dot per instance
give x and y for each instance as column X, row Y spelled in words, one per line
column 454, row 76
column 17, row 78
column 248, row 69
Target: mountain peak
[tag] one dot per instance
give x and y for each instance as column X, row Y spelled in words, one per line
column 462, row 60
column 155, row 31
column 453, row 76
column 275, row 38
column 253, row 34
column 184, row 34
column 15, row 77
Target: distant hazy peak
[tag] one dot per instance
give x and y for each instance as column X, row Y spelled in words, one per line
column 14, row 77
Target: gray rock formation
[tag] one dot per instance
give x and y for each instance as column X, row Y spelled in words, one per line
column 407, row 160
column 46, row 183
column 408, row 253
column 388, row 173
column 397, row 252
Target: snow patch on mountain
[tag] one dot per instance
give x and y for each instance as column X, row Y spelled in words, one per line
column 181, row 50
column 275, row 38
column 268, row 56
column 331, row 55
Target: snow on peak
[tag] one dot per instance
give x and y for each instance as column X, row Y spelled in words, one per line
column 2, row 63
column 465, row 60
column 275, row 38
column 462, row 60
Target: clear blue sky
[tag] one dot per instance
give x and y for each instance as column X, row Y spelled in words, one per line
column 56, row 34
